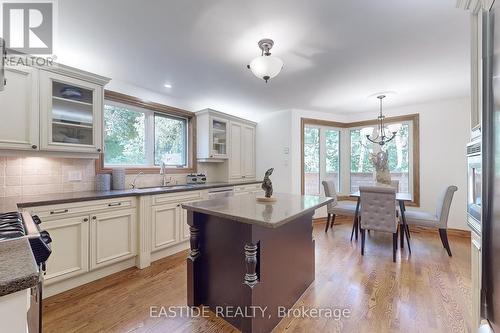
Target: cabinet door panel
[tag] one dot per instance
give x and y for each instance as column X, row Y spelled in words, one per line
column 70, row 248
column 19, row 127
column 113, row 237
column 70, row 123
column 235, row 161
column 165, row 221
column 248, row 149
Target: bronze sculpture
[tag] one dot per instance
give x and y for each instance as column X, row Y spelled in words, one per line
column 267, row 184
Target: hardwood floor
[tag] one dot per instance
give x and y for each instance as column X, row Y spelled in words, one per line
column 425, row 292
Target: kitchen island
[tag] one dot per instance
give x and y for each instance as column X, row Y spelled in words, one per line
column 250, row 261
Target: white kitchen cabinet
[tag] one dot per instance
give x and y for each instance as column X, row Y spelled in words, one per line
column 88, row 235
column 212, row 131
column 19, row 127
column 236, row 152
column 248, row 145
column 70, row 114
column 165, row 226
column 242, row 157
column 113, row 237
column 70, row 248
column 52, row 109
column 226, row 139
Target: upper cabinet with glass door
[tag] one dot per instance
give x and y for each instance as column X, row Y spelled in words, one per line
column 71, row 113
column 218, row 137
column 212, row 129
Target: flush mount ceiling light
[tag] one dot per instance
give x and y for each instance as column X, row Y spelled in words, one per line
column 167, row 85
column 266, row 66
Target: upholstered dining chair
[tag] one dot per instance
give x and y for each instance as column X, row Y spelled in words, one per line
column 344, row 208
column 437, row 220
column 378, row 212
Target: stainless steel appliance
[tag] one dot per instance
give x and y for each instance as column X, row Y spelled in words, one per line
column 220, row 192
column 474, row 185
column 490, row 217
column 15, row 225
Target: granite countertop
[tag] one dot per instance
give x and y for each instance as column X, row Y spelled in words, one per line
column 246, row 209
column 13, row 203
column 18, row 270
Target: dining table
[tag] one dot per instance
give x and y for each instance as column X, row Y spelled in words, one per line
column 401, row 198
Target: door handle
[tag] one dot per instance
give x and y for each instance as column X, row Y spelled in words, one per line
column 53, row 212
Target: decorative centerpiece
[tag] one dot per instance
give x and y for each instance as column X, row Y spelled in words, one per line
column 380, row 162
column 267, row 186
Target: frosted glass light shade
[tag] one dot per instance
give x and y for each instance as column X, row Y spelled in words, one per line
column 266, row 67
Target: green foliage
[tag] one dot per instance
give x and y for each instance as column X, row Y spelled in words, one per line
column 311, row 149
column 170, row 140
column 124, row 136
column 125, row 132
column 332, row 150
column 397, row 150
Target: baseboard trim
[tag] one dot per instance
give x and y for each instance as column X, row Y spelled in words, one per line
column 413, row 228
column 451, row 231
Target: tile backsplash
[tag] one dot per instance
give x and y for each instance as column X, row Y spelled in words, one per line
column 43, row 175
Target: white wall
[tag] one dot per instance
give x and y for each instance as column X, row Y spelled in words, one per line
column 444, row 133
column 273, row 138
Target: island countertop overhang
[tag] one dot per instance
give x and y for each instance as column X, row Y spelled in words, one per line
column 246, row 208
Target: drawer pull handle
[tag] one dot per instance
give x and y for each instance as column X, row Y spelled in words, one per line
column 53, row 212
column 114, row 204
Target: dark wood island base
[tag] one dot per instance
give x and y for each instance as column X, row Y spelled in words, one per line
column 249, row 274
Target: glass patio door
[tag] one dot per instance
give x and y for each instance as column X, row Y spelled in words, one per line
column 321, row 158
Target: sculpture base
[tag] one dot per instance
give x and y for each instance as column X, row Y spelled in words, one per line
column 264, row 199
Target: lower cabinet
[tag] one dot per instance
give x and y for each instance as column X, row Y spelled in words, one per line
column 70, row 248
column 87, row 236
column 165, row 226
column 113, row 237
column 169, row 220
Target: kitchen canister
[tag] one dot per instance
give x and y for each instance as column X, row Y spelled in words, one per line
column 103, row 182
column 118, row 178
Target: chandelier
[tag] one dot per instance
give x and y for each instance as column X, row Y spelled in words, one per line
column 381, row 137
column 266, row 66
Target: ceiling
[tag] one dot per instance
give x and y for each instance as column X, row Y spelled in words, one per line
column 336, row 53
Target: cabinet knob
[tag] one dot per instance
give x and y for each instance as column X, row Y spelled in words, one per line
column 34, row 146
column 94, row 217
column 98, row 150
column 85, row 220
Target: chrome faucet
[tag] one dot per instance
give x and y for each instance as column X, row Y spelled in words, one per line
column 162, row 172
column 135, row 178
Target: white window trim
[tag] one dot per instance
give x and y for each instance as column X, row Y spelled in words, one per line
column 149, row 137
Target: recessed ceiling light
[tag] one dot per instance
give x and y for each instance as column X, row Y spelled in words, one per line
column 167, row 85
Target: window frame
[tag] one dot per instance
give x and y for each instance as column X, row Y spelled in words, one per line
column 322, row 151
column 150, row 108
column 345, row 154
